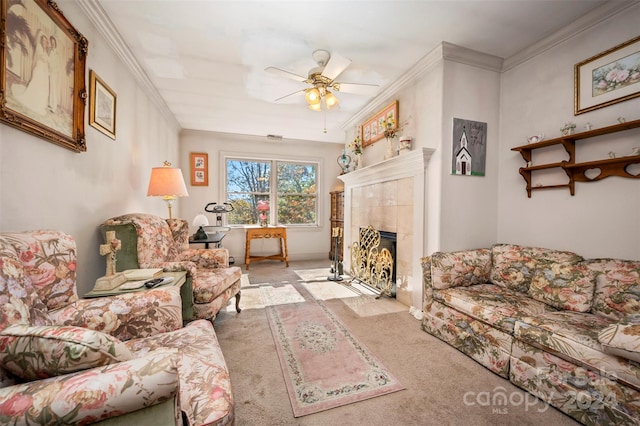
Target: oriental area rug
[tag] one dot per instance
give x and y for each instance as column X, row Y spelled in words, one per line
column 323, row 364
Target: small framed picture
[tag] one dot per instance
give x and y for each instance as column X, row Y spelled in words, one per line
column 102, row 108
column 372, row 129
column 199, row 169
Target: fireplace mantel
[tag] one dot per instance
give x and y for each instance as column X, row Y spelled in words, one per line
column 402, row 166
column 390, row 196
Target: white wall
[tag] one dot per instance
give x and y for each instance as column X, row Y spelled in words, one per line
column 303, row 243
column 45, row 186
column 603, row 218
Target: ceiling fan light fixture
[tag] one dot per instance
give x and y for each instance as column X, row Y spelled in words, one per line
column 312, row 96
column 330, row 100
column 316, row 107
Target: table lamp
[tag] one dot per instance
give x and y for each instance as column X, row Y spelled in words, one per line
column 167, row 182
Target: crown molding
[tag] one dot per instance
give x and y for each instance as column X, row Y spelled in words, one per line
column 595, row 17
column 105, row 27
column 443, row 51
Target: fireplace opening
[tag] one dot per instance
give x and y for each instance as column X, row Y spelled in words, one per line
column 373, row 261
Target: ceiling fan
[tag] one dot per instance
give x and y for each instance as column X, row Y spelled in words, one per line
column 322, row 78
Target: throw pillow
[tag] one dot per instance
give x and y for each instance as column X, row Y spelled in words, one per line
column 564, row 286
column 39, row 352
column 460, row 268
column 622, row 338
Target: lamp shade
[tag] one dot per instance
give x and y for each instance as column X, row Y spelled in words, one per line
column 330, row 100
column 166, row 181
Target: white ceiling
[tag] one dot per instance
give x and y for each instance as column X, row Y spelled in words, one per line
column 207, row 58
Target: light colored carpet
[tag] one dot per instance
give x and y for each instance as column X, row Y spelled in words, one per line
column 323, row 364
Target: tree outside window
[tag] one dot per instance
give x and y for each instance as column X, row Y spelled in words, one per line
column 293, row 197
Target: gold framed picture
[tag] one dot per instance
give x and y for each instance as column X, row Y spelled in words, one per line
column 371, row 131
column 42, row 72
column 608, row 78
column 199, row 168
column 102, row 107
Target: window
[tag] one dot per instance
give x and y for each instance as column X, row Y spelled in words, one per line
column 290, row 188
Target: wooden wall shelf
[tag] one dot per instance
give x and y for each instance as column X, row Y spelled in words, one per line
column 581, row 172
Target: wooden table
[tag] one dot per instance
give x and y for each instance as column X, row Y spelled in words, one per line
column 179, row 279
column 267, row 232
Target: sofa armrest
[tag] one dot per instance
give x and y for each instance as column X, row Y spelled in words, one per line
column 126, row 316
column 427, row 293
column 182, row 265
column 622, row 338
column 207, row 258
column 95, row 394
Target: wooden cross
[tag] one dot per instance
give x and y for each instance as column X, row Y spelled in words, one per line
column 109, row 249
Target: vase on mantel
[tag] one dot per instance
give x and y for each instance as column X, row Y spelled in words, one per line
column 357, row 162
column 390, row 151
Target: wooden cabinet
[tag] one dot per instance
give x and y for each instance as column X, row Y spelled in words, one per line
column 337, row 221
column 582, row 172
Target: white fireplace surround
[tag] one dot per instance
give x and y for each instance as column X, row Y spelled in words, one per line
column 391, row 196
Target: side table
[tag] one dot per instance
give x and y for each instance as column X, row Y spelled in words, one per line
column 279, row 232
column 179, row 280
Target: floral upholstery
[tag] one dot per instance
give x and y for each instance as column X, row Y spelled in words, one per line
column 563, row 286
column 164, row 243
column 205, row 385
column 622, row 338
column 563, row 328
column 513, row 265
column 36, row 352
column 160, row 364
column 590, row 397
column 460, row 268
column 617, row 287
column 496, row 306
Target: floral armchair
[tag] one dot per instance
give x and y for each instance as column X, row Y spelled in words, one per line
column 123, row 358
column 150, row 241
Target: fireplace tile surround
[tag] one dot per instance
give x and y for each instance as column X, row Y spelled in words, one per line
column 390, row 196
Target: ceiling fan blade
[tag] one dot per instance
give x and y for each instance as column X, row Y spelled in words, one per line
column 335, row 66
column 356, row 88
column 290, row 94
column 283, row 73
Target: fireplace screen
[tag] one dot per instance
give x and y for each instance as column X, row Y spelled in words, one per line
column 371, row 264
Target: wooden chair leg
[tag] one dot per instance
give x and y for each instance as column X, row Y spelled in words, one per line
column 238, row 302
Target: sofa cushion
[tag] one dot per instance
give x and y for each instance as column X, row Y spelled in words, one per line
column 461, row 268
column 49, row 261
column 38, row 352
column 617, row 290
column 495, row 305
column 210, row 283
column 513, row 265
column 574, row 337
column 563, row 285
column 622, row 338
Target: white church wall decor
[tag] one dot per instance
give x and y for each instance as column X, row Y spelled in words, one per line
column 469, row 147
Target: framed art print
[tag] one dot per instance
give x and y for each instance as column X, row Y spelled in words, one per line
column 371, row 131
column 608, row 78
column 199, row 162
column 42, row 72
column 102, row 106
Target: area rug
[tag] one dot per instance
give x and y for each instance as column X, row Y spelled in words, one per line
column 323, row 364
column 325, row 290
column 321, row 274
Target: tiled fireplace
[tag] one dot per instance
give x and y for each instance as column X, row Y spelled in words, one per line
column 390, row 196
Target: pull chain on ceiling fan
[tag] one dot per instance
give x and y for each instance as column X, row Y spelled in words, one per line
column 322, row 78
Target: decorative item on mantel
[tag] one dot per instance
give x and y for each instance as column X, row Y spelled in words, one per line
column 263, row 212
column 568, row 128
column 356, row 148
column 343, row 161
column 390, row 130
column 404, row 144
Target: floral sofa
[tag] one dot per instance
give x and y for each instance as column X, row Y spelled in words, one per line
column 119, row 360
column 150, row 241
column 564, row 328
